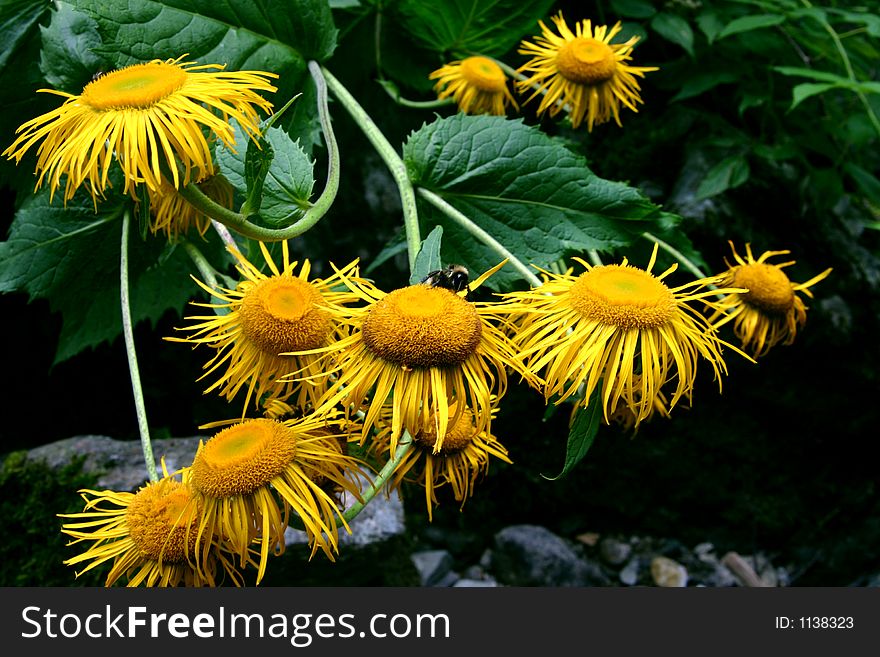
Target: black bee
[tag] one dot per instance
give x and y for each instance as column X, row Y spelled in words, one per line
column 451, row 277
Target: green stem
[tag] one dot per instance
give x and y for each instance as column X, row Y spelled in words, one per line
column 678, row 255
column 403, row 447
column 850, row 73
column 593, row 257
column 465, row 222
column 392, row 160
column 133, row 371
column 316, row 211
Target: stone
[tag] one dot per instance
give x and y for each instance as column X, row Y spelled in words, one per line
column 531, row 555
column 614, row 551
column 667, row 572
column 432, row 565
column 629, row 574
column 475, row 583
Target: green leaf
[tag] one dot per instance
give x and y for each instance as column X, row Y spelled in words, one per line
column 710, row 24
column 803, row 91
column 17, row 19
column 395, row 246
column 749, row 23
column 527, row 190
column 428, row 257
column 675, row 29
column 462, row 27
column 581, row 435
column 869, row 20
column 70, row 256
column 699, row 83
column 289, row 178
column 270, row 35
column 633, row 8
column 731, row 172
column 821, row 76
column 866, row 181
column 68, row 59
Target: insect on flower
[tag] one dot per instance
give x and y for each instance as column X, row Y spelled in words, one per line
column 451, row 277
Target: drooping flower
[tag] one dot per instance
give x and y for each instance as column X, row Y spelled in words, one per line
column 174, row 215
column 463, row 459
column 424, row 350
column 266, row 316
column 150, row 118
column 770, row 312
column 582, row 72
column 149, row 536
column 476, row 84
column 249, row 476
column 616, row 331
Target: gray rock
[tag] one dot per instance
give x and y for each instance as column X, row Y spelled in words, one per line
column 475, row 583
column 614, row 551
column 448, row 580
column 629, row 574
column 486, row 559
column 118, row 464
column 530, row 555
column 433, row 565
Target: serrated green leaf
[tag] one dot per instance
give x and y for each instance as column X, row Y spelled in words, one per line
column 675, row 29
column 288, row 182
column 581, row 435
column 803, row 91
column 257, row 160
column 17, row 19
column 633, row 8
column 70, row 256
column 532, row 194
column 462, row 27
column 428, row 257
column 731, row 172
column 749, row 23
column 68, row 59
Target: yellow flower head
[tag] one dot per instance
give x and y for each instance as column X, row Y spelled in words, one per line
column 174, row 215
column 266, row 316
column 617, row 331
column 582, row 72
column 150, row 118
column 250, row 475
column 463, row 459
column 425, row 350
column 770, row 312
column 150, row 536
column 476, row 84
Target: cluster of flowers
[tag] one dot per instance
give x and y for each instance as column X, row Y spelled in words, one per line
column 351, row 363
column 580, row 72
column 415, row 375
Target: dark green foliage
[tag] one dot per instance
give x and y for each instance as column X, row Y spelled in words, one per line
column 33, row 547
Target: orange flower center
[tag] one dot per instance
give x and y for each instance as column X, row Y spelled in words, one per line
column 622, row 296
column 768, row 287
column 138, row 86
column 280, row 314
column 483, row 74
column 586, row 61
column 163, row 521
column 457, row 437
column 421, row 326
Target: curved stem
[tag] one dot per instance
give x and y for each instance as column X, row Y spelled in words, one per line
column 133, row 371
column 594, row 258
column 392, row 160
column 404, row 445
column 224, row 234
column 206, row 271
column 466, row 223
column 316, row 211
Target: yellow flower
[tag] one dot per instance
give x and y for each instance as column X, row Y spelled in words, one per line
column 462, row 460
column 617, row 331
column 150, row 536
column 476, row 84
column 249, row 476
column 265, row 316
column 150, row 118
column 174, row 215
column 624, row 417
column 582, row 72
column 436, row 352
column 770, row 312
